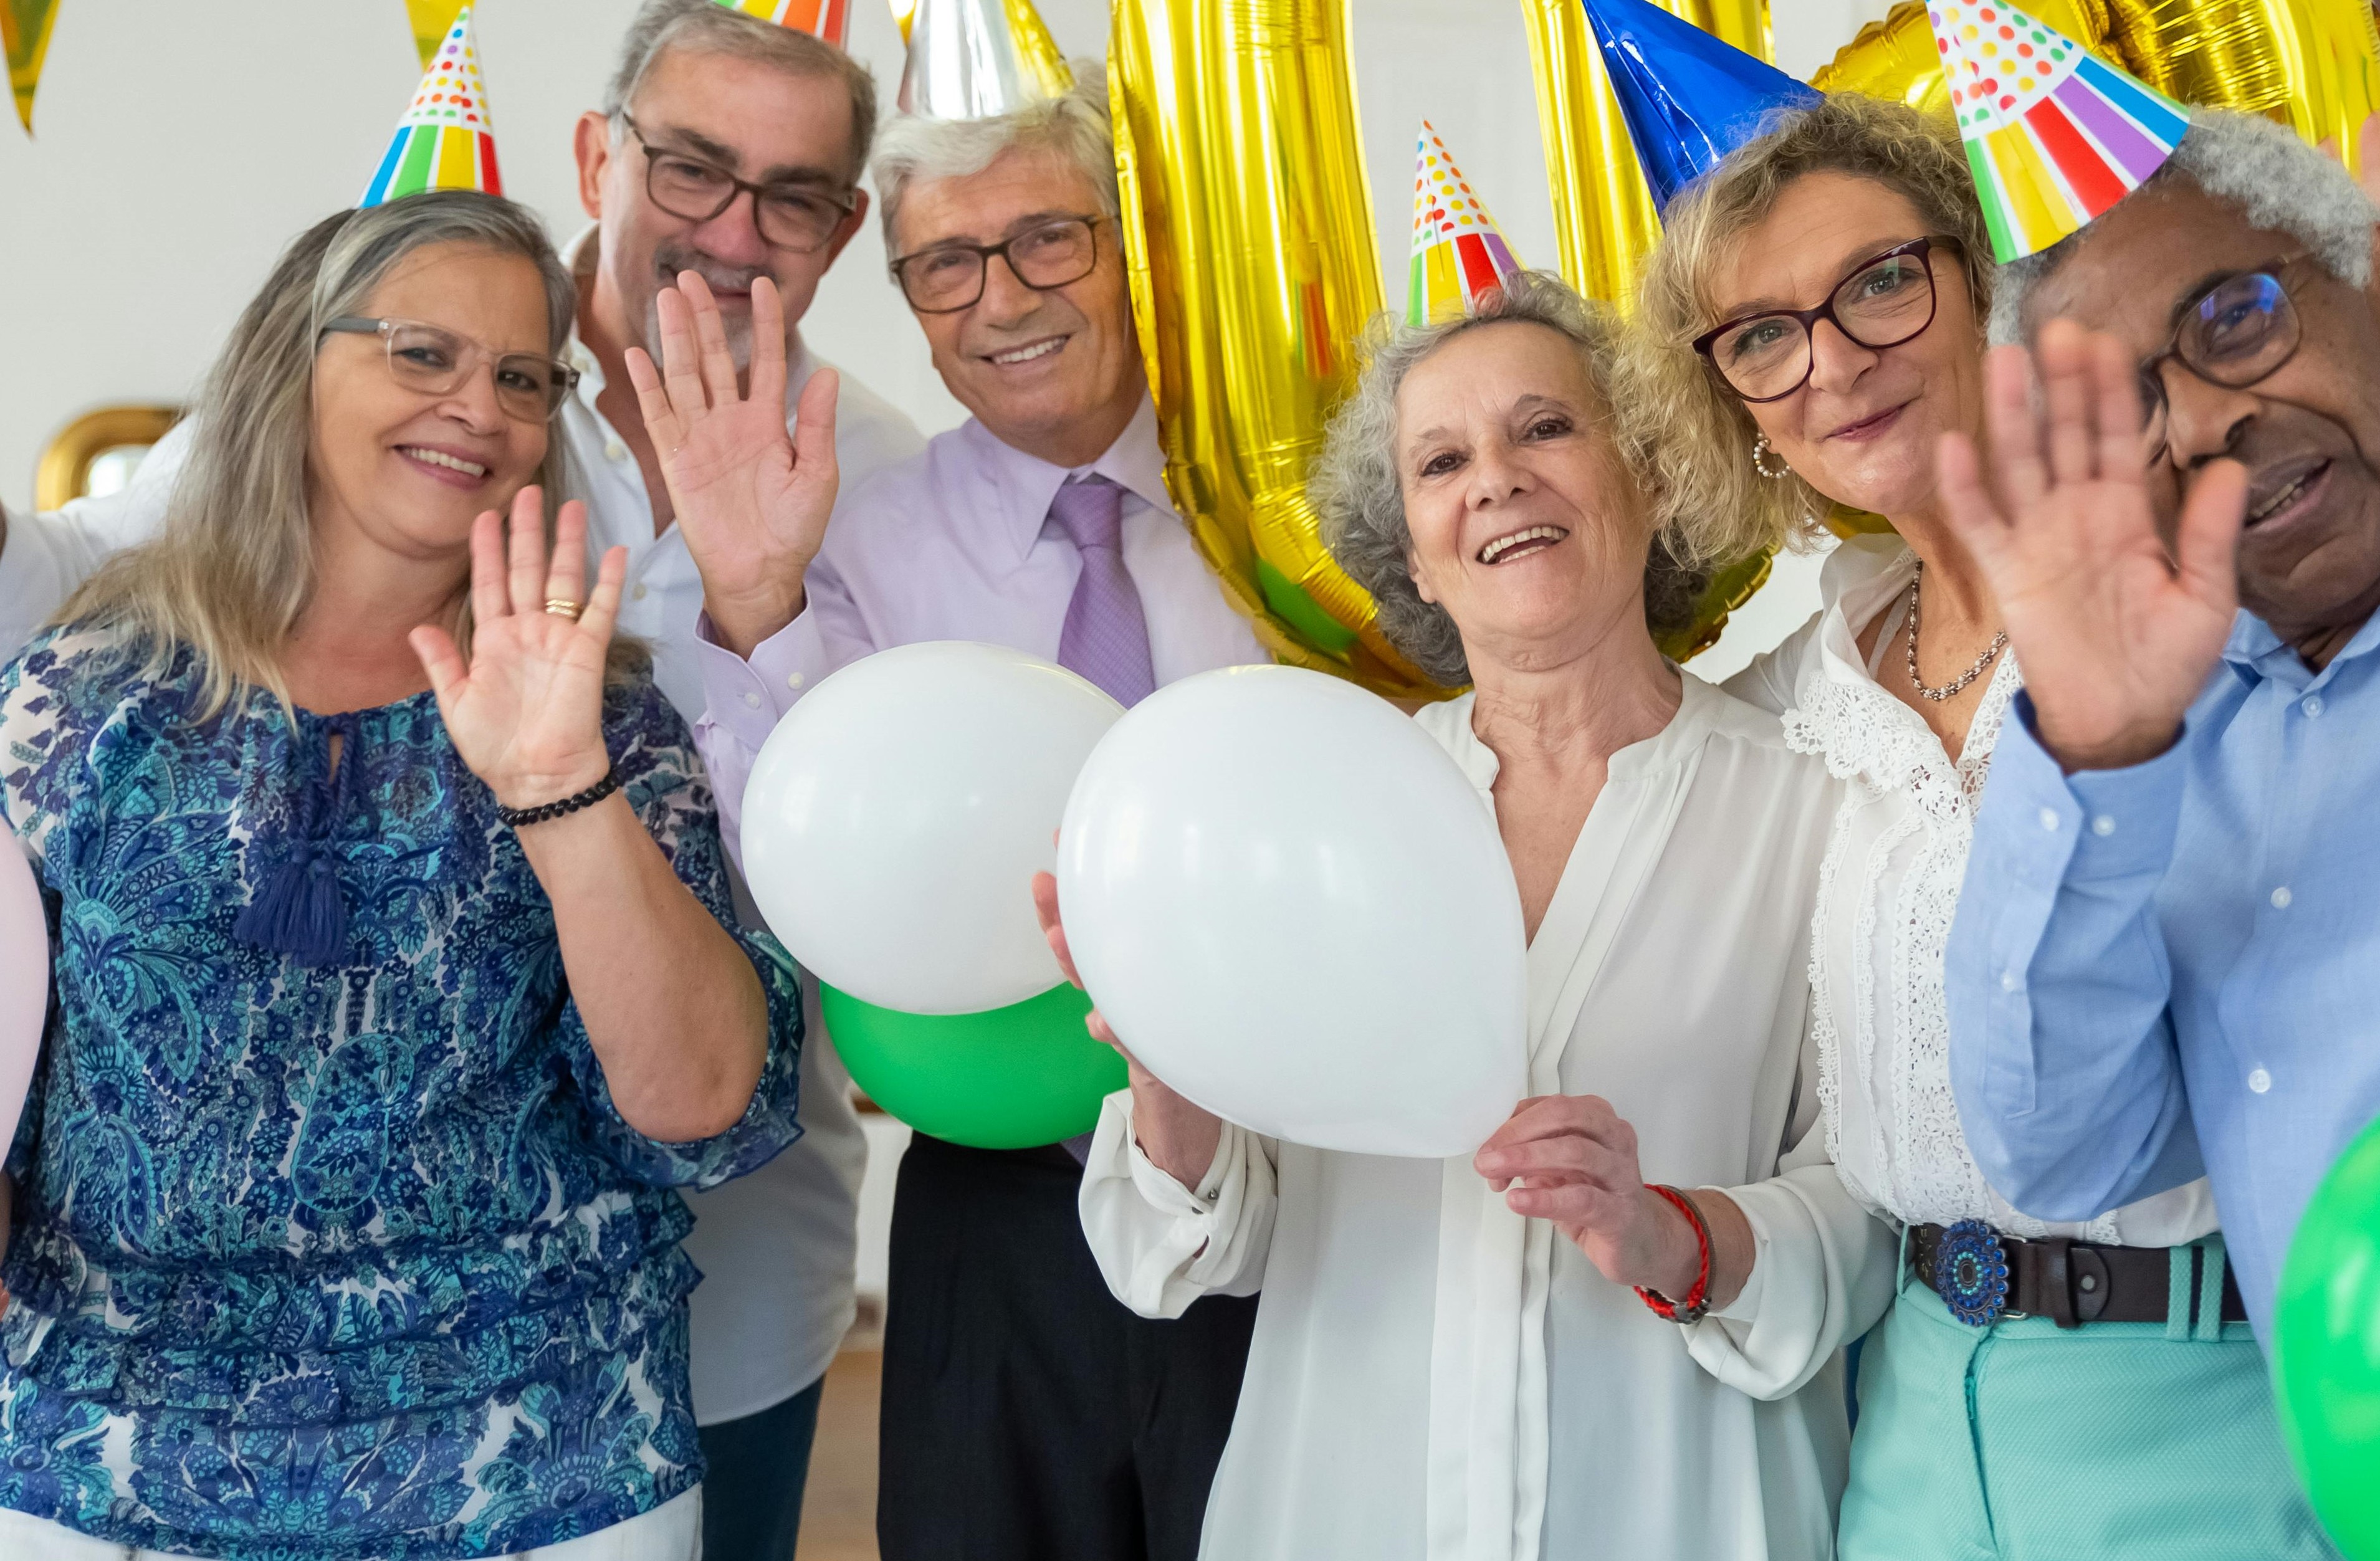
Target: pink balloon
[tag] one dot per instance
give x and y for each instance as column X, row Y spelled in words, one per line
column 24, row 981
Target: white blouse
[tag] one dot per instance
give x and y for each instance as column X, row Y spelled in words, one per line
column 1434, row 1378
column 1895, row 856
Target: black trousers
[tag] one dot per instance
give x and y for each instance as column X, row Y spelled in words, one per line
column 1027, row 1415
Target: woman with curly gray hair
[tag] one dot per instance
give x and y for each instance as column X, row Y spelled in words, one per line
column 1813, row 328
column 1534, row 1347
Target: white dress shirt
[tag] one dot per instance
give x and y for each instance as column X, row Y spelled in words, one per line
column 779, row 1249
column 958, row 544
column 1896, row 857
column 1434, row 1378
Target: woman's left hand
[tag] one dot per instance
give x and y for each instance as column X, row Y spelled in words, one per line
column 1571, row 1159
column 527, row 712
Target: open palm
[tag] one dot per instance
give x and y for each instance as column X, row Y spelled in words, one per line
column 2116, row 631
column 751, row 500
column 525, row 712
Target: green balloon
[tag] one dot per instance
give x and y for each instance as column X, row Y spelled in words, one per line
column 2326, row 1349
column 1007, row 1078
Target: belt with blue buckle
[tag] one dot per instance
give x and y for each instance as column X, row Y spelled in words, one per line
column 1983, row 1276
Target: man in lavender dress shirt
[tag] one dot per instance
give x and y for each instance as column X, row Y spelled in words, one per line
column 1027, row 1416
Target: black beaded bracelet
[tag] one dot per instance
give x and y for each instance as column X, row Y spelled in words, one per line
column 518, row 817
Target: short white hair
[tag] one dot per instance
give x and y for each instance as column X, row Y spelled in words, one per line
column 1075, row 126
column 2274, row 180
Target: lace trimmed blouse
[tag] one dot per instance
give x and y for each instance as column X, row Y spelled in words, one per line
column 345, row 1258
column 1887, row 888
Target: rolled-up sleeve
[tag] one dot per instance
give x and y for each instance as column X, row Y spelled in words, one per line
column 1161, row 1245
column 1821, row 1274
column 2059, row 983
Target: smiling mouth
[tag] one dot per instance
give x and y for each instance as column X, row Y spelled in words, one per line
column 440, row 458
column 1027, row 352
column 1537, row 539
column 2288, row 496
column 1873, row 423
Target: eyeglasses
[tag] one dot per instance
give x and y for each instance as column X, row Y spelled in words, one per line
column 800, row 217
column 436, row 361
column 949, row 277
column 2234, row 335
column 1887, row 300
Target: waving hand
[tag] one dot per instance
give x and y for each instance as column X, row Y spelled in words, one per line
column 751, row 500
column 2116, row 632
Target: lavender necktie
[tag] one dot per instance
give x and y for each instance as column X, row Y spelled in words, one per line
column 1105, row 637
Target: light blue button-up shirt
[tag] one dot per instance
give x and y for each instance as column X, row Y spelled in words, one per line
column 2178, row 965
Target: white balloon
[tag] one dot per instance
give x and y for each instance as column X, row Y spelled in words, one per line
column 1289, row 903
column 896, row 816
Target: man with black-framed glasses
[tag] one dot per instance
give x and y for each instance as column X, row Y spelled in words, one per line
column 1027, row 1412
column 2163, row 960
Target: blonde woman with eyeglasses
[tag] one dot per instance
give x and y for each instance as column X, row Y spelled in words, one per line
column 397, row 982
column 1813, row 326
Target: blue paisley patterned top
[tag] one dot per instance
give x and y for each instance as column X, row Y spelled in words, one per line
column 344, row 1260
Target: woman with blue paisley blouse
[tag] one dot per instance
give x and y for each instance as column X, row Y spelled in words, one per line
column 396, row 980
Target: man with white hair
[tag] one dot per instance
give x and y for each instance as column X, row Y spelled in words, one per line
column 730, row 147
column 1027, row 1415
column 2162, row 966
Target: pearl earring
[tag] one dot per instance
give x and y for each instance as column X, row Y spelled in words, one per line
column 1761, row 454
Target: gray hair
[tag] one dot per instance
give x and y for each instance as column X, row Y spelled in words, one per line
column 707, row 27
column 232, row 568
column 1357, row 490
column 2275, row 181
column 1075, row 126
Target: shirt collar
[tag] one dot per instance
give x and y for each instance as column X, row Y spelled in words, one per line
column 1861, row 577
column 2254, row 652
column 1028, row 484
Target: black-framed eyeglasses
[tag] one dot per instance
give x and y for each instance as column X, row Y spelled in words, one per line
column 791, row 215
column 1884, row 301
column 947, row 278
column 530, row 388
column 2236, row 333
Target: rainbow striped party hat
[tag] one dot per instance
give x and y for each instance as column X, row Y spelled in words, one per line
column 830, row 19
column 1458, row 252
column 445, row 141
column 2055, row 136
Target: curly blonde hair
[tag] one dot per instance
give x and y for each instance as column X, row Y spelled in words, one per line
column 1701, row 457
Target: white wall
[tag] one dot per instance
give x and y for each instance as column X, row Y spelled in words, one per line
column 180, row 146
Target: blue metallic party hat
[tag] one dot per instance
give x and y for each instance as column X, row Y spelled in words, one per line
column 1689, row 99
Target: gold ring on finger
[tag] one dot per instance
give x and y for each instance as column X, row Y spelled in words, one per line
column 562, row 607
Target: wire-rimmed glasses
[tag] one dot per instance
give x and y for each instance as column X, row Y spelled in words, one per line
column 2236, row 333
column 530, row 388
column 1884, row 300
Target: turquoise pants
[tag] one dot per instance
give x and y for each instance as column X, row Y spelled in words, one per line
column 2027, row 1442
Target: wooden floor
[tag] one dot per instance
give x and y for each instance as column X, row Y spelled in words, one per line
column 838, row 1505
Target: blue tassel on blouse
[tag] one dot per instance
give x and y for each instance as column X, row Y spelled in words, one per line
column 299, row 909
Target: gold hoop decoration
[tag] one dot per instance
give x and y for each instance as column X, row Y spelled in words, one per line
column 65, row 471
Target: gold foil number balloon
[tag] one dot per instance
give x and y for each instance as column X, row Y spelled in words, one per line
column 1248, row 234
column 1604, row 220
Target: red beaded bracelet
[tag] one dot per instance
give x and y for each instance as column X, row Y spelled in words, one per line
column 1697, row 1300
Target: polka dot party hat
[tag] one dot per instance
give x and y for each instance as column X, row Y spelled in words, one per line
column 2053, row 135
column 445, row 141
column 830, row 19
column 1458, row 254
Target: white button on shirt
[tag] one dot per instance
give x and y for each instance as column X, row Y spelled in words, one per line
column 2259, row 1082
column 2281, row 898
column 778, row 1247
